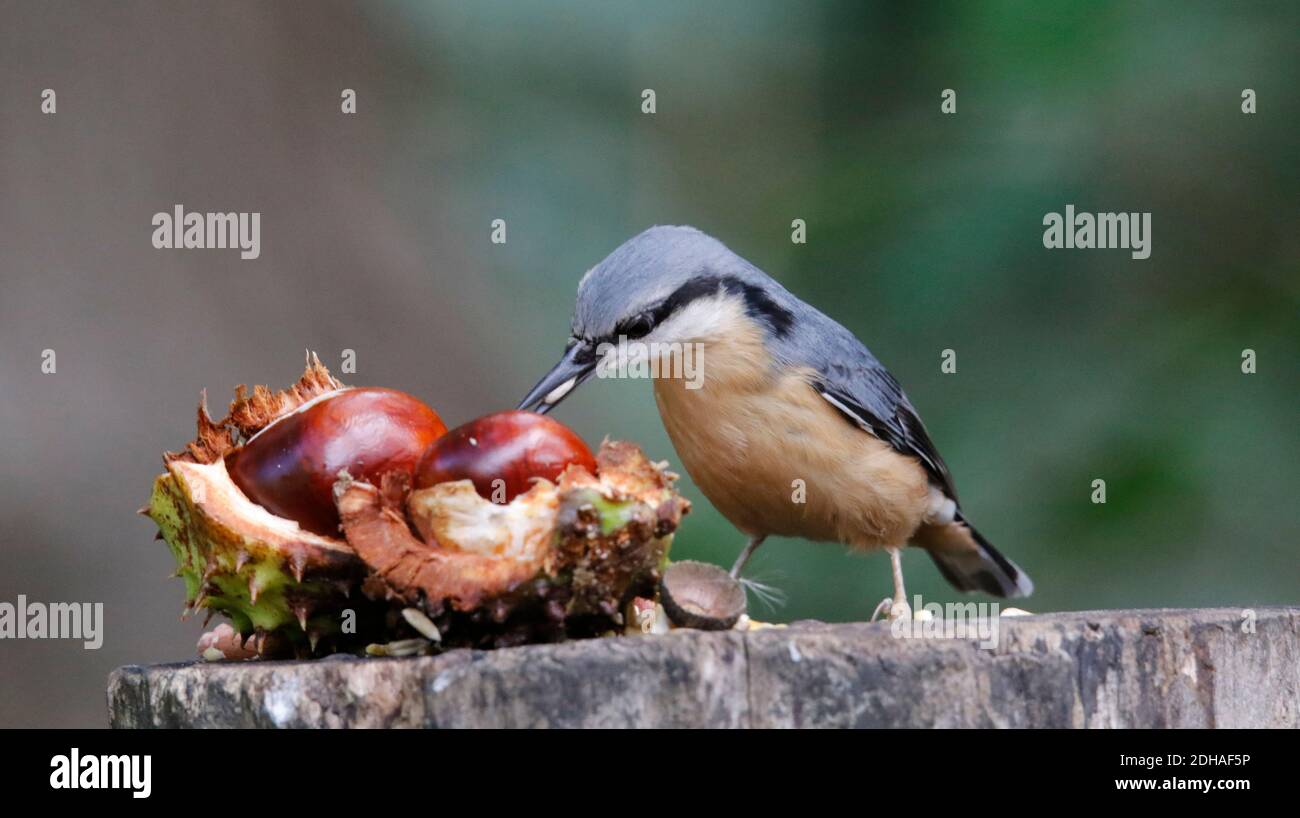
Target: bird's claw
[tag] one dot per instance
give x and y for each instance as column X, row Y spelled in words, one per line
column 881, row 608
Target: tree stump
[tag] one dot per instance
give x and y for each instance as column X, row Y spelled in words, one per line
column 1132, row 668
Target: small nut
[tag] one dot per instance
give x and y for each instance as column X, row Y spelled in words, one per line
column 700, row 595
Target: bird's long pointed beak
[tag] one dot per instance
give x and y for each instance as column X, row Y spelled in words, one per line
column 575, row 367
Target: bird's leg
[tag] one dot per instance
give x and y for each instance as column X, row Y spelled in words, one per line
column 750, row 547
column 896, row 608
column 900, row 608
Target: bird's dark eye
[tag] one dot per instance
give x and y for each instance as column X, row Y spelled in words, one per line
column 637, row 327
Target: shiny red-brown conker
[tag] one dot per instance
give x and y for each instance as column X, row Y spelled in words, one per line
column 514, row 447
column 289, row 468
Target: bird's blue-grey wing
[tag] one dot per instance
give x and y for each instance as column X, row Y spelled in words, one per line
column 851, row 379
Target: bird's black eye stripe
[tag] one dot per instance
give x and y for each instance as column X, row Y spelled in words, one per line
column 758, row 304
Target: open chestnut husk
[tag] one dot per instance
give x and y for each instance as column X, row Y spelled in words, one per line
column 560, row 560
column 282, row 584
column 240, row 508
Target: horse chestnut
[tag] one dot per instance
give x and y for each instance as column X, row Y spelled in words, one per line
column 289, row 468
column 558, row 561
column 512, row 447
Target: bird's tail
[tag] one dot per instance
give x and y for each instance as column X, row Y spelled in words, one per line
column 969, row 562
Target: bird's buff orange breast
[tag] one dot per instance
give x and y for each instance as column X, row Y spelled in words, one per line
column 776, row 459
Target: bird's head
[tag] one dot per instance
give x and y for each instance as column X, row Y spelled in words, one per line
column 667, row 285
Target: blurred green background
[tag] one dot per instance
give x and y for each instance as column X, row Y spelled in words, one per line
column 924, row 234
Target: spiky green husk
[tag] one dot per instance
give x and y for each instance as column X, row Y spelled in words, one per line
column 269, row 578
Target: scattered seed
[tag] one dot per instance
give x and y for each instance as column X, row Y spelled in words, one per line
column 408, row 647
column 402, row 647
column 417, row 619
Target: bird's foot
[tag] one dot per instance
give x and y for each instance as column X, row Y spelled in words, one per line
column 900, row 610
column 892, row 609
column 883, row 607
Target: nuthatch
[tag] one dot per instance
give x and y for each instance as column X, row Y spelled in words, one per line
column 787, row 395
